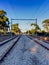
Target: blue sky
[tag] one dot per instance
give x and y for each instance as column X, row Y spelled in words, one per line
column 26, row 9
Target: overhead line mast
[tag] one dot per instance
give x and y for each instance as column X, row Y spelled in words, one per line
column 24, row 19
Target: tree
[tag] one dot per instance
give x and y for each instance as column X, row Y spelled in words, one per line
column 4, row 21
column 46, row 25
column 15, row 28
column 2, row 12
column 36, row 26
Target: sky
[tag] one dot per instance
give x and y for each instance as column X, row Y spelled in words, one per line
column 26, row 9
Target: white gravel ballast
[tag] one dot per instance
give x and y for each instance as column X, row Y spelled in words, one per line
column 27, row 52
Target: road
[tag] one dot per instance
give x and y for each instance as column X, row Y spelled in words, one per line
column 27, row 52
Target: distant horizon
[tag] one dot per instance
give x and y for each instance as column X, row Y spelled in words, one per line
column 26, row 9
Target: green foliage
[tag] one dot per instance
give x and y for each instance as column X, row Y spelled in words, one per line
column 2, row 12
column 15, row 28
column 46, row 25
column 46, row 21
column 36, row 26
column 32, row 31
column 4, row 21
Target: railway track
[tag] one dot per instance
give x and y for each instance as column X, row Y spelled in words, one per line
column 6, row 48
column 42, row 43
column 6, row 41
column 26, row 52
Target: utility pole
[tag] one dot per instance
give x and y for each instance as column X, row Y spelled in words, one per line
column 11, row 27
column 36, row 27
column 24, row 20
